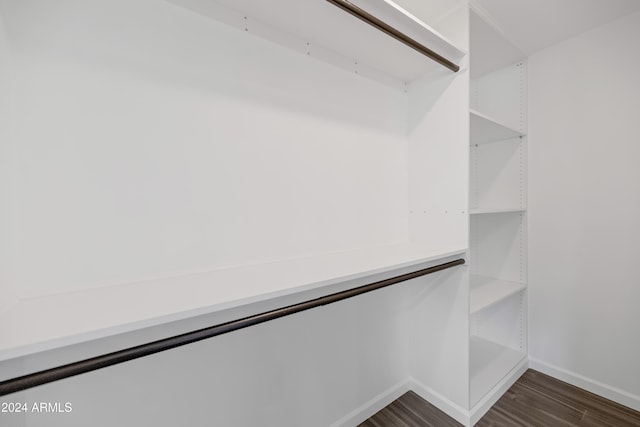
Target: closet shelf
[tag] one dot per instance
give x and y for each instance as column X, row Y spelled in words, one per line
column 82, row 316
column 485, row 129
column 487, row 291
column 320, row 29
column 490, row 50
column 490, row 363
column 483, row 211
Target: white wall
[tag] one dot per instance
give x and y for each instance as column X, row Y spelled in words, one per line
column 7, row 292
column 584, row 216
column 8, row 295
column 152, row 141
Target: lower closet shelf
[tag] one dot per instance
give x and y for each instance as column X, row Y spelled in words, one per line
column 490, row 363
column 51, row 321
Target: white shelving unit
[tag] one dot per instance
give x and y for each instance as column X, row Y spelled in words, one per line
column 498, row 200
column 489, row 49
column 488, row 365
column 487, row 291
column 495, row 211
column 485, row 129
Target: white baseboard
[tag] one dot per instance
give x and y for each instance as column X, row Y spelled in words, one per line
column 489, row 399
column 596, row 387
column 455, row 411
column 374, row 405
column 368, row 409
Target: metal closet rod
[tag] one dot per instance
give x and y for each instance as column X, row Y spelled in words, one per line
column 386, row 28
column 76, row 368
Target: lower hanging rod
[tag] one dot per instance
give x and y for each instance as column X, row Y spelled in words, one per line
column 83, row 366
column 396, row 34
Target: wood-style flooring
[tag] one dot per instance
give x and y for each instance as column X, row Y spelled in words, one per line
column 534, row 400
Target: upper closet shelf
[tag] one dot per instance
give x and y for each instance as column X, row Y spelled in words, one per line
column 48, row 322
column 484, row 211
column 329, row 30
column 485, row 129
column 490, row 49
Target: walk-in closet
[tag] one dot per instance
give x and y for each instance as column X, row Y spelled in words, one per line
column 303, row 212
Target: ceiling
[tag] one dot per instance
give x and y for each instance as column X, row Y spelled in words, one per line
column 532, row 25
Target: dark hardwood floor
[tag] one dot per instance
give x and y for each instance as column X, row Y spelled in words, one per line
column 535, row 399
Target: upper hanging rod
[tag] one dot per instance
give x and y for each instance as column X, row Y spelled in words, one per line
column 384, row 27
column 54, row 374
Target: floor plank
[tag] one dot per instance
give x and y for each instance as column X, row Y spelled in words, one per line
column 596, row 407
column 535, row 400
column 520, row 406
column 410, row 410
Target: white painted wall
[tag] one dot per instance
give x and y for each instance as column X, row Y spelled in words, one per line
column 584, row 216
column 7, row 292
column 153, row 141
